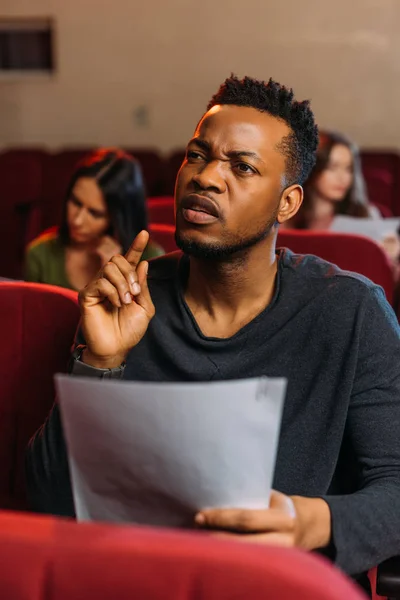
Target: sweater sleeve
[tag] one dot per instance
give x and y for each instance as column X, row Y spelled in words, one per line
column 46, row 469
column 366, row 524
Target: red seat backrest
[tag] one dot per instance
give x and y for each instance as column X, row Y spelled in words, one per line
column 38, row 323
column 153, row 169
column 163, row 235
column 21, row 172
column 173, row 164
column 382, row 175
column 21, row 176
column 161, row 210
column 349, row 252
column 43, row 558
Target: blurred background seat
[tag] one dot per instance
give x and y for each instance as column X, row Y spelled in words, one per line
column 21, row 177
column 161, row 210
column 38, row 324
column 173, row 164
column 163, row 235
column 381, row 170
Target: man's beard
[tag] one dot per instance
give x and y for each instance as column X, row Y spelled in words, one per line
column 224, row 250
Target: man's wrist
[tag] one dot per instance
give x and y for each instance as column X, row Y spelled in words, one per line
column 314, row 529
column 101, row 362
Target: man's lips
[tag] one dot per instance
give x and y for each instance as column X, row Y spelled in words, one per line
column 199, row 209
column 201, row 204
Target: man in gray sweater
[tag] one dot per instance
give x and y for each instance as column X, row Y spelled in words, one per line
column 232, row 306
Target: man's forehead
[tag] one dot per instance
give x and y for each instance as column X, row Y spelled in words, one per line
column 241, row 126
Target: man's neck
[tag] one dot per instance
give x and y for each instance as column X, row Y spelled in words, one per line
column 225, row 295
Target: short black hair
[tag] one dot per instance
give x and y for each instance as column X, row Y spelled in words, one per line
column 300, row 145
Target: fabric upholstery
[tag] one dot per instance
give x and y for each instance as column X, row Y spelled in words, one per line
column 44, row 558
column 153, row 169
column 173, row 164
column 21, row 173
column 163, row 235
column 161, row 210
column 38, row 323
column 382, row 175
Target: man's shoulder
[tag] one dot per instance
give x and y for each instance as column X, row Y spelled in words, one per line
column 312, row 272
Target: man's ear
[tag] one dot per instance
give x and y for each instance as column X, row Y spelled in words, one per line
column 291, row 200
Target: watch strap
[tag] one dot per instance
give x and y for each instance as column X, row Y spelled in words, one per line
column 80, row 368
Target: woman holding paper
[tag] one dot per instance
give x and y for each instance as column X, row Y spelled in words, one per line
column 335, row 187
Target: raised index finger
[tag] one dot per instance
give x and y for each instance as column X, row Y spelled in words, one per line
column 138, row 246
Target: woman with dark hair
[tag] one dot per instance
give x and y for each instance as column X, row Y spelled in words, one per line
column 104, row 210
column 335, row 187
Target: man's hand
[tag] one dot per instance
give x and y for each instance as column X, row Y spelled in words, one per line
column 116, row 307
column 291, row 521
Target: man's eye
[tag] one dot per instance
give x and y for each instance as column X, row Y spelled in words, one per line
column 192, row 155
column 245, row 168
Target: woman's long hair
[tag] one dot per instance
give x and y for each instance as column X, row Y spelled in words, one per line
column 120, row 179
column 355, row 203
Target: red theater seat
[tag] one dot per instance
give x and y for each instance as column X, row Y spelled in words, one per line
column 382, row 174
column 153, row 168
column 163, row 235
column 38, row 323
column 172, row 167
column 43, row 558
column 161, row 210
column 349, row 252
column 21, row 176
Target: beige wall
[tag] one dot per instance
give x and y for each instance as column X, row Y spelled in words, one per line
column 170, row 55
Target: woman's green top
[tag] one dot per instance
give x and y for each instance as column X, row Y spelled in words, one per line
column 45, row 260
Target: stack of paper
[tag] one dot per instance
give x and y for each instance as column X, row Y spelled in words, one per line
column 376, row 229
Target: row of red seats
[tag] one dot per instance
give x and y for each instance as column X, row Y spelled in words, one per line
column 30, row 175
column 67, row 560
column 35, row 175
column 18, row 228
column 34, row 183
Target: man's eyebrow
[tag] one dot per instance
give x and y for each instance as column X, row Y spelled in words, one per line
column 232, row 154
column 200, row 143
column 244, row 153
